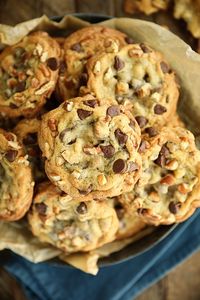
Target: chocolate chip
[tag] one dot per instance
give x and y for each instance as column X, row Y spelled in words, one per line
column 129, row 40
column 151, row 131
column 142, row 121
column 164, row 67
column 119, row 166
column 82, row 208
column 20, row 86
column 83, row 114
column 118, row 63
column 41, row 208
column 52, row 63
column 13, row 105
column 119, row 210
column 142, row 146
column 159, row 109
column 160, row 161
column 120, row 136
column 83, row 79
column 144, row 48
column 91, row 103
column 132, row 166
column 174, row 207
column 62, row 68
column 77, row 47
column 164, row 150
column 30, row 139
column 11, row 155
column 113, row 110
column 108, row 151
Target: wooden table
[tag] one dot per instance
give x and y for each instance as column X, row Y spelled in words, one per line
column 184, row 282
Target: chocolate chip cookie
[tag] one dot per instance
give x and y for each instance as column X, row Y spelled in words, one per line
column 91, row 148
column 27, row 131
column 139, row 78
column 28, row 74
column 129, row 223
column 70, row 224
column 146, row 6
column 16, row 183
column 168, row 190
column 78, row 48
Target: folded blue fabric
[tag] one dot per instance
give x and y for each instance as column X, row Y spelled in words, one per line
column 123, row 281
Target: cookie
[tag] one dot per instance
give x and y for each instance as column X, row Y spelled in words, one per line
column 28, row 74
column 176, row 121
column 90, row 148
column 168, row 190
column 70, row 224
column 16, row 183
column 146, row 6
column 27, row 131
column 78, row 48
column 189, row 11
column 139, row 78
column 129, row 223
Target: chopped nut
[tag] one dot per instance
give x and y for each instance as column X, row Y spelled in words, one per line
column 45, row 88
column 144, row 91
column 91, row 150
column 182, row 188
column 76, row 174
column 168, row 179
column 68, row 106
column 77, row 241
column 111, row 46
column 59, row 161
column 108, row 75
column 55, row 177
column 97, row 67
column 101, row 179
column 163, row 189
column 135, row 51
column 154, row 196
column 38, row 50
column 14, row 145
column 156, row 96
column 184, row 143
column 35, row 82
column 122, row 87
column 179, row 173
column 172, row 165
column 44, row 56
column 64, row 200
column 52, row 123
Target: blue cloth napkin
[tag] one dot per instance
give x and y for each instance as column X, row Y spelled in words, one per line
column 123, row 281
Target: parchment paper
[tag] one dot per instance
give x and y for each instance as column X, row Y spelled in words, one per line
column 16, row 235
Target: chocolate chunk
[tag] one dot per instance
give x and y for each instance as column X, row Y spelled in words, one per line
column 120, row 136
column 92, row 103
column 52, row 63
column 77, row 47
column 82, row 208
column 142, row 121
column 20, row 86
column 41, row 208
column 174, row 207
column 144, row 48
column 159, row 109
column 108, row 151
column 113, row 110
column 132, row 167
column 160, row 161
column 30, row 139
column 62, row 68
column 164, row 67
column 151, row 131
column 119, row 166
column 13, row 105
column 129, row 40
column 11, row 155
column 119, row 210
column 164, row 150
column 118, row 63
column 83, row 114
column 83, row 79
column 142, row 146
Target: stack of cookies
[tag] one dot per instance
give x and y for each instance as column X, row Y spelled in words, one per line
column 95, row 150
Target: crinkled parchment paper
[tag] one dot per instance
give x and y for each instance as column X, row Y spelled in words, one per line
column 16, row 236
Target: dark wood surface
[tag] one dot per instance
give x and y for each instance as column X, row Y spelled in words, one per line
column 183, row 283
